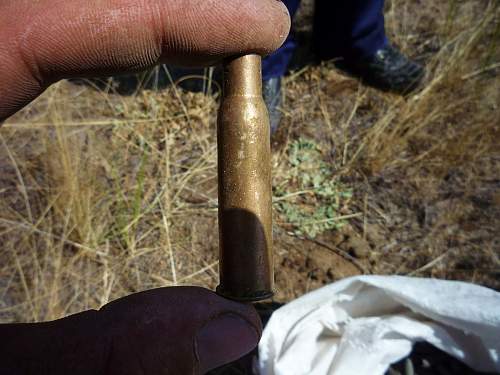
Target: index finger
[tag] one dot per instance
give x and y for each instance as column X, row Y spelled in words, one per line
column 48, row 40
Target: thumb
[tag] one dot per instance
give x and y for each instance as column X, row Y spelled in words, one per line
column 183, row 330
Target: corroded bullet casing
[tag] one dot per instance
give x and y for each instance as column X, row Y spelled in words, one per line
column 244, row 152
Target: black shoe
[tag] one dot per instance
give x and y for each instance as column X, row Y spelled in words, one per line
column 388, row 69
column 271, row 91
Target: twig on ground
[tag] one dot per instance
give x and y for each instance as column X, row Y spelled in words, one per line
column 481, row 71
column 430, row 264
column 335, row 250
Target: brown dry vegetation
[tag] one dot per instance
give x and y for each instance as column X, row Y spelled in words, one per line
column 102, row 195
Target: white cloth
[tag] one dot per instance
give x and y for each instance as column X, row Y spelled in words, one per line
column 362, row 324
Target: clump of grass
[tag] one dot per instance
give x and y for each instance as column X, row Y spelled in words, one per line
column 444, row 122
column 108, row 189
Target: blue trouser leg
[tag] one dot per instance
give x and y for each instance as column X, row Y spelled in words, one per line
column 276, row 64
column 352, row 29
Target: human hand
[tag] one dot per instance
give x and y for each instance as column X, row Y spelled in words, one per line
column 182, row 330
column 44, row 41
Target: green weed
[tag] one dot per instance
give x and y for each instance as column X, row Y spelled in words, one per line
column 309, row 198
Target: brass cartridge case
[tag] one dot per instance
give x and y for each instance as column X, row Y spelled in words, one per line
column 244, row 155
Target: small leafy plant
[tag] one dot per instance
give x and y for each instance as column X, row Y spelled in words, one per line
column 309, row 197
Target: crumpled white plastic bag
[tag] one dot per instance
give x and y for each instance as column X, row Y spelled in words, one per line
column 361, row 325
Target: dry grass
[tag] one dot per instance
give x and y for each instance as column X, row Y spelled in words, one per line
column 103, row 195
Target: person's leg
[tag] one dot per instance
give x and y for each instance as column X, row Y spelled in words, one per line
column 352, row 29
column 276, row 65
column 273, row 68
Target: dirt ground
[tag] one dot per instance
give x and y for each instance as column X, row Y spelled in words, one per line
column 103, row 194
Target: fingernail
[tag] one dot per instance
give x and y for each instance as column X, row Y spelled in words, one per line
column 223, row 340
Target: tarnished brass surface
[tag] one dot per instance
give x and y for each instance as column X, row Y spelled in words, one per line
column 244, row 151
